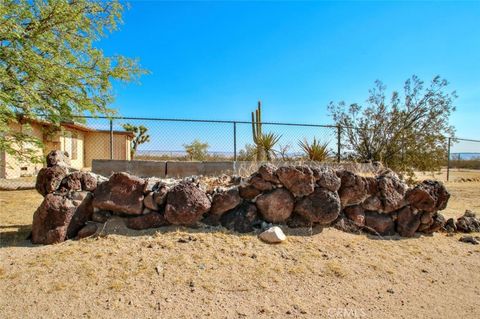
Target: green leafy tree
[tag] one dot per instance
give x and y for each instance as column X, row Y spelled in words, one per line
column 50, row 68
column 197, row 150
column 405, row 131
column 140, row 137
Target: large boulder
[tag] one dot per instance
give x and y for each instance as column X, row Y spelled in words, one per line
column 248, row 192
column 50, row 178
column 58, row 158
column 379, row 224
column 268, row 173
column 72, row 182
column 468, row 223
column 356, row 214
column 150, row 203
column 259, row 183
column 276, row 206
column 296, row 221
column 225, row 201
column 160, row 195
column 298, row 180
column 322, row 206
column 429, row 196
column 88, row 230
column 438, row 222
column 150, row 220
column 327, row 178
column 123, row 193
column 186, row 204
column 89, row 181
column 392, row 192
column 51, row 219
column 352, row 190
column 83, row 201
column 408, row 221
column 373, row 203
column 241, row 218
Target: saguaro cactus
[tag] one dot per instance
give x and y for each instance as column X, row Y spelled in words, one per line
column 257, row 131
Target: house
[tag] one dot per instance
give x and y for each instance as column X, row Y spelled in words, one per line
column 81, row 142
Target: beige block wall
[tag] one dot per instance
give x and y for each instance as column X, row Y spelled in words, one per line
column 97, row 146
column 13, row 167
column 68, row 139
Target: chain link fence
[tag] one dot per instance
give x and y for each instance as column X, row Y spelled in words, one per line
column 463, row 159
column 187, row 140
column 90, row 138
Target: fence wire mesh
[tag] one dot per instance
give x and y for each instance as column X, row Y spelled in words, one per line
column 463, row 159
column 90, row 138
column 186, row 140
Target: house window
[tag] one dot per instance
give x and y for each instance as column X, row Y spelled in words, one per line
column 74, row 147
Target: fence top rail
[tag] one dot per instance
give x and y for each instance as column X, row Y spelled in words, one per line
column 198, row 121
column 464, row 139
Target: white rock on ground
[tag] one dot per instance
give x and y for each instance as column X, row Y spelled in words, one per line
column 273, row 235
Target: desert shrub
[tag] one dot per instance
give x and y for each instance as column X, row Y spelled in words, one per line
column 197, row 150
column 315, row 151
column 405, row 131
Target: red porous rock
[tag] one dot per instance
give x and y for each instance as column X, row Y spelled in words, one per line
column 50, row 178
column 51, row 220
column 379, row 224
column 259, row 183
column 225, row 201
column 275, row 206
column 408, row 221
column 356, row 213
column 72, row 182
column 298, row 180
column 83, row 201
column 186, row 204
column 353, row 188
column 150, row 220
column 428, row 196
column 241, row 218
column 58, row 158
column 392, row 192
column 122, row 193
column 322, row 206
column 268, row 173
column 248, row 192
column 327, row 178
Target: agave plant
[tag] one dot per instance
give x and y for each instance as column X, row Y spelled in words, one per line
column 315, row 151
column 266, row 143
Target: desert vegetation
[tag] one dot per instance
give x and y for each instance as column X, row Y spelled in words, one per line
column 406, row 131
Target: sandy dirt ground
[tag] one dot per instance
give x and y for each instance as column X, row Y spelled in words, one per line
column 199, row 273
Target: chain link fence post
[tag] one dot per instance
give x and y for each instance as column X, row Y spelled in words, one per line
column 339, row 136
column 234, row 146
column 448, row 159
column 111, row 139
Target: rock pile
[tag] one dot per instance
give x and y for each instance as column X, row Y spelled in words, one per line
column 298, row 196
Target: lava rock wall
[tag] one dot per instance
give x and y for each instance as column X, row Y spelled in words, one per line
column 297, row 196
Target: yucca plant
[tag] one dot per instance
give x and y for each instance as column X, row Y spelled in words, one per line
column 266, row 143
column 315, row 151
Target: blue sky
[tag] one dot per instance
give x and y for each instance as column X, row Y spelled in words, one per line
column 214, row 60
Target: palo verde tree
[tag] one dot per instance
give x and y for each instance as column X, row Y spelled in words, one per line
column 50, row 68
column 197, row 150
column 405, row 131
column 140, row 136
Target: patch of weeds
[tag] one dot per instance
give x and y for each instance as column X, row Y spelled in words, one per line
column 336, row 269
